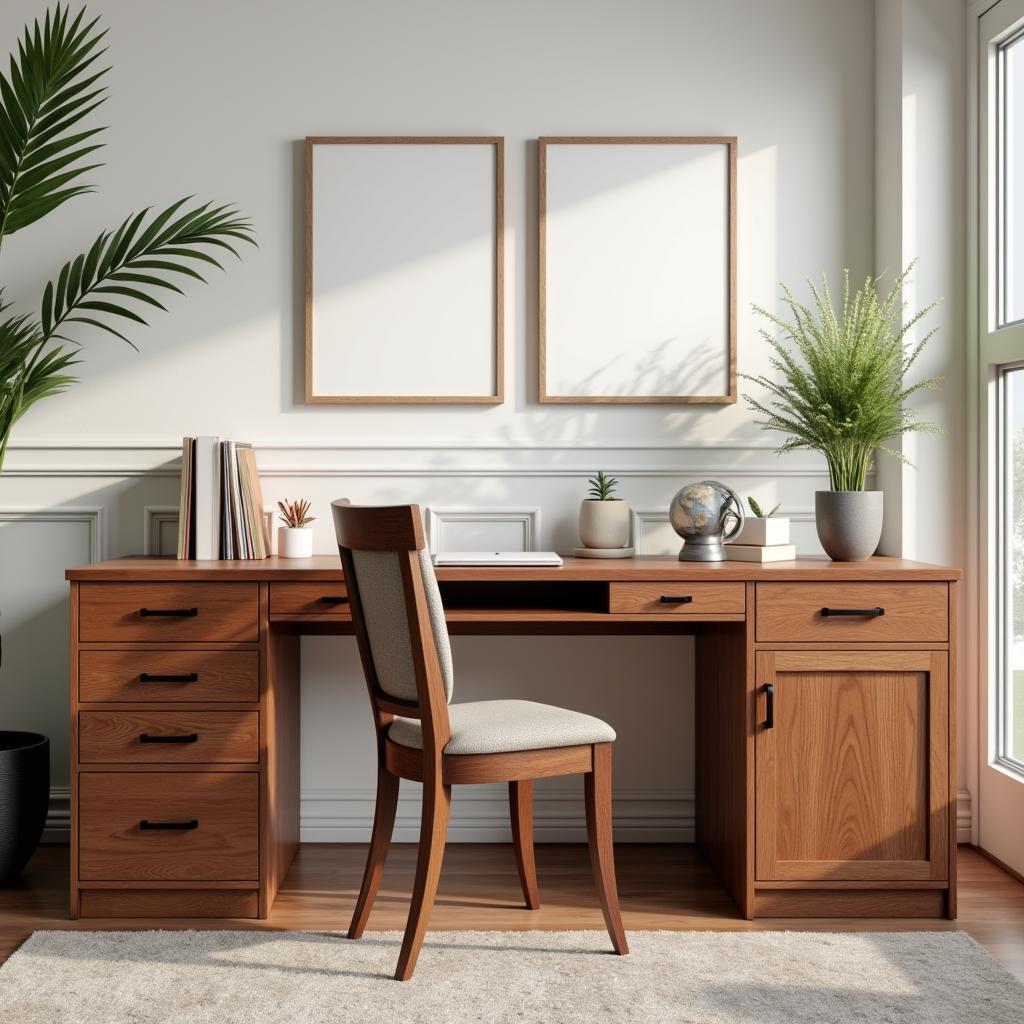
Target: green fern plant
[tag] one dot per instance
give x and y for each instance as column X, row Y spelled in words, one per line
column 52, row 86
column 842, row 386
column 602, row 487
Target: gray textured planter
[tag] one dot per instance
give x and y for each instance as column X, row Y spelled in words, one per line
column 849, row 523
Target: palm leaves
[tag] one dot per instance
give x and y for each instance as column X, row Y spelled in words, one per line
column 51, row 87
column 134, row 262
column 842, row 391
column 46, row 94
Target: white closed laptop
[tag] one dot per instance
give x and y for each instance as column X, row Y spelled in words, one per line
column 497, row 558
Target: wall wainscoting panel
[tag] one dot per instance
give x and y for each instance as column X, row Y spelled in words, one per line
column 754, row 459
column 480, row 815
column 91, row 517
column 483, row 529
column 160, row 530
column 36, row 545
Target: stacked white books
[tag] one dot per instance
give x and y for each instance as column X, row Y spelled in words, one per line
column 220, row 513
column 764, row 539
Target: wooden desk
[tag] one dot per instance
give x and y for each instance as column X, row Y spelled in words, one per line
column 825, row 742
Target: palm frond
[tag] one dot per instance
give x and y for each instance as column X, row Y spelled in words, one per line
column 20, row 340
column 136, row 261
column 51, row 86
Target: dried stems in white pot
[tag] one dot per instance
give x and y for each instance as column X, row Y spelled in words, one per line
column 295, row 538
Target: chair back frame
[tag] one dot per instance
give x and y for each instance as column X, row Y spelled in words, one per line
column 397, row 529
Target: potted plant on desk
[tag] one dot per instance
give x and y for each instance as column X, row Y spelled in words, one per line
column 604, row 519
column 843, row 393
column 54, row 84
column 295, row 538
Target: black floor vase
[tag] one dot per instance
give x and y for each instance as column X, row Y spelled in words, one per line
column 24, row 797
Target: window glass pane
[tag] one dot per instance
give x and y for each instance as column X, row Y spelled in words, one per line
column 1011, row 186
column 1011, row 683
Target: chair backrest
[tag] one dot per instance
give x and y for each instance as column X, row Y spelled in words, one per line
column 398, row 616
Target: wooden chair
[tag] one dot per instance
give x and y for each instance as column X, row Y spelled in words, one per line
column 403, row 643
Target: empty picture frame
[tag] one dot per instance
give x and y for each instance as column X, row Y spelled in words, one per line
column 637, row 261
column 404, row 269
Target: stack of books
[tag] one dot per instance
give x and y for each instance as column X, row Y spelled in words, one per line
column 762, row 540
column 220, row 514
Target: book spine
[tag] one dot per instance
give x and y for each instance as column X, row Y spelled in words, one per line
column 183, row 499
column 207, row 485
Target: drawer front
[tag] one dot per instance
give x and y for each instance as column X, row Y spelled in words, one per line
column 174, row 676
column 309, row 599
column 168, row 737
column 685, row 599
column 809, row 612
column 209, row 826
column 169, row 611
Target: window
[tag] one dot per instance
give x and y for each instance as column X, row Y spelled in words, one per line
column 1010, row 179
column 1010, row 660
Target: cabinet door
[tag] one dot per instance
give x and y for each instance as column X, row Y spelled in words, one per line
column 852, row 765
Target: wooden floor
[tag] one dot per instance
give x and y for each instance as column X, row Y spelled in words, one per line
column 662, row 886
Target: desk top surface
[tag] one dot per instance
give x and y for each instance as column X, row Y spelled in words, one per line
column 642, row 567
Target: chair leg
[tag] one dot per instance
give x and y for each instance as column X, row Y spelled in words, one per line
column 433, row 832
column 380, row 841
column 597, row 786
column 520, row 800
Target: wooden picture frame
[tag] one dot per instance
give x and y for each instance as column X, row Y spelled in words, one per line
column 585, row 292
column 454, row 240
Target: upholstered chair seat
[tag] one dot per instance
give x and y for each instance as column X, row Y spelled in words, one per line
column 507, row 726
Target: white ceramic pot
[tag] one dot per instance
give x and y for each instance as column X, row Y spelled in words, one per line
column 763, row 532
column 604, row 524
column 292, row 543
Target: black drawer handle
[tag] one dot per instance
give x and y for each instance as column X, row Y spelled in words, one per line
column 191, row 737
column 853, row 613
column 187, row 677
column 178, row 613
column 168, row 826
column 683, row 599
column 769, row 706
column 333, row 599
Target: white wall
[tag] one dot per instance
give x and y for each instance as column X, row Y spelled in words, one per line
column 215, row 99
column 921, row 95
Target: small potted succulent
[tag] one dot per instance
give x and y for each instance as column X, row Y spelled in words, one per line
column 763, row 528
column 604, row 519
column 295, row 538
column 842, row 391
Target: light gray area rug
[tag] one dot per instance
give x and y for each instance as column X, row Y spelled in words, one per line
column 264, row 977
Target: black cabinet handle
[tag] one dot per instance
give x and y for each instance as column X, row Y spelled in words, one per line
column 187, row 677
column 683, row 599
column 769, row 706
column 191, row 737
column 168, row 826
column 858, row 613
column 333, row 599
column 180, row 613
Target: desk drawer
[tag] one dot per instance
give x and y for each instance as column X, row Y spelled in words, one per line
column 811, row 612
column 686, row 599
column 171, row 676
column 217, row 814
column 179, row 612
column 168, row 737
column 309, row 599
